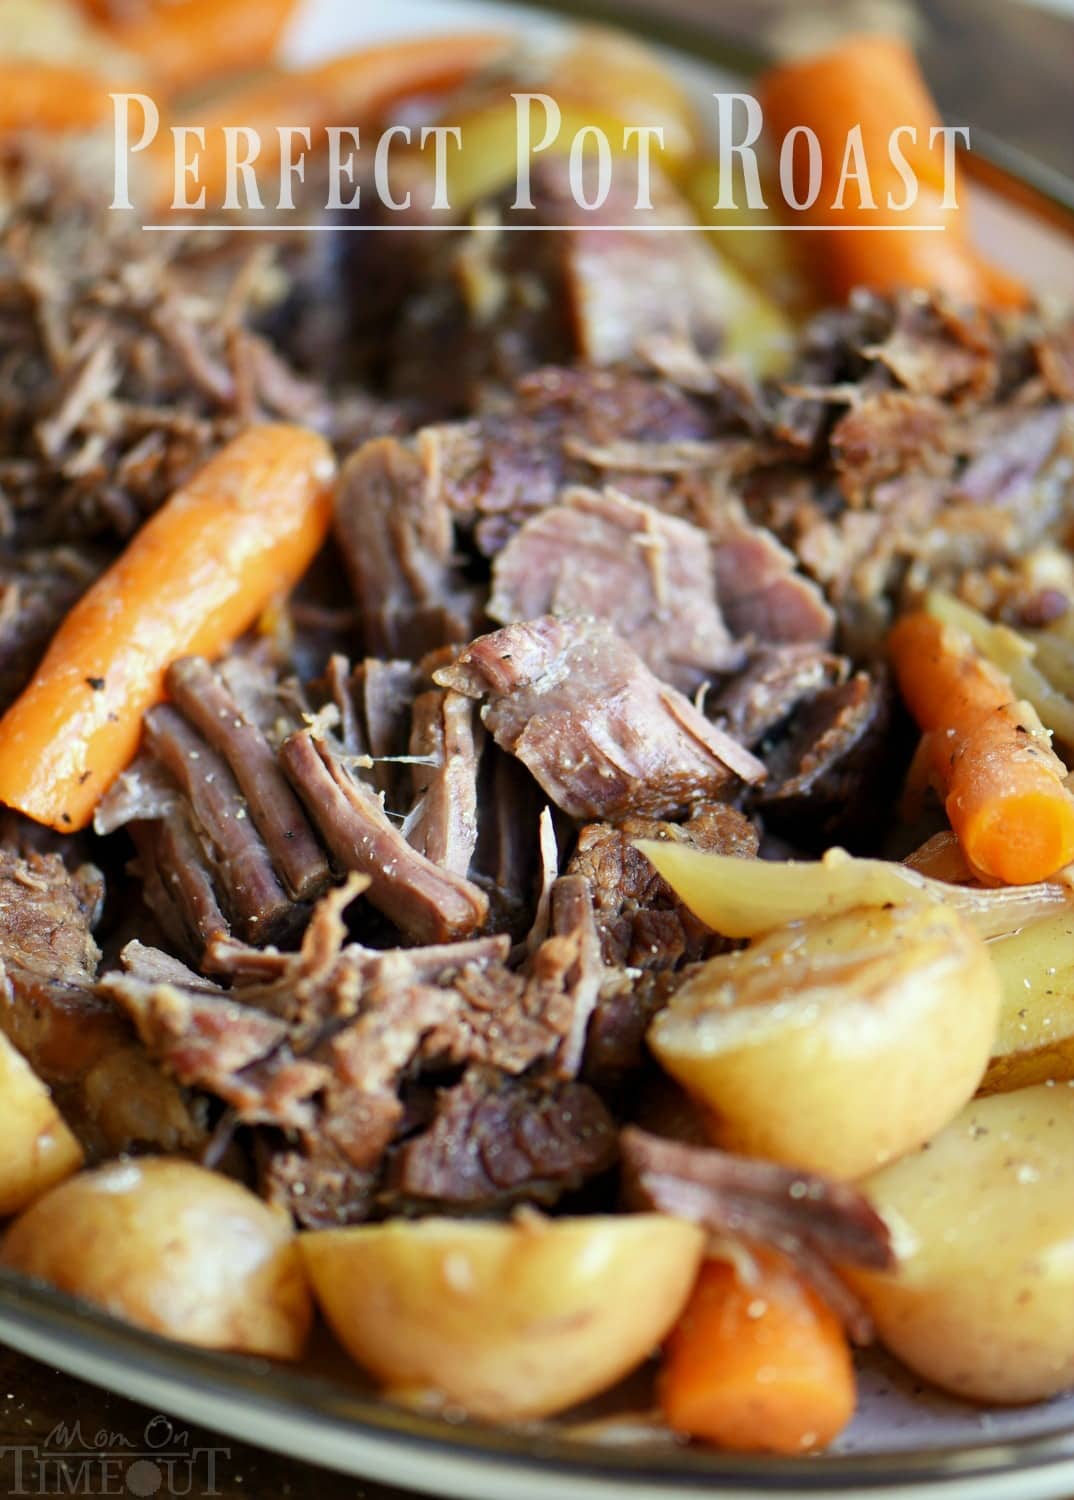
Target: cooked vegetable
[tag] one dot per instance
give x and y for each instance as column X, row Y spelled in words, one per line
column 1003, row 785
column 508, row 1321
column 757, row 1362
column 174, row 1248
column 873, row 82
column 37, row 1150
column 1014, row 655
column 1035, row 1040
column 838, row 1043
column 187, row 42
column 351, row 89
column 51, row 96
column 743, row 899
column 193, row 578
column 982, row 1302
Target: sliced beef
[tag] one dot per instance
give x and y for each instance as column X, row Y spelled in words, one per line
column 507, row 857
column 599, row 733
column 495, row 1141
column 177, row 882
column 444, row 744
column 397, row 543
column 426, row 903
column 820, row 1224
column 649, row 575
column 761, row 592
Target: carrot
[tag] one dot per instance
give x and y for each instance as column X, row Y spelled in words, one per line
column 758, row 1364
column 874, row 82
column 1003, row 785
column 51, row 96
column 195, row 576
column 349, row 90
column 186, row 42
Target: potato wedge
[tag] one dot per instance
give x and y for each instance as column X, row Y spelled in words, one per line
column 982, row 1302
column 37, row 1150
column 744, row 898
column 838, row 1043
column 1035, row 1039
column 508, row 1321
column 172, row 1247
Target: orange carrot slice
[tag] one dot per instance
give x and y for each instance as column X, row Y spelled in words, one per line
column 51, row 96
column 197, row 574
column 758, row 1365
column 874, row 82
column 186, row 42
column 1003, row 785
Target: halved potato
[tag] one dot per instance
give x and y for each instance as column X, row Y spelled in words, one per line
column 177, row 1249
column 508, row 1321
column 1035, row 1039
column 838, row 1043
column 982, row 1302
column 37, row 1149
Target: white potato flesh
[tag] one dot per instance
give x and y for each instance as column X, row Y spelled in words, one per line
column 37, row 1149
column 1035, row 1039
column 744, row 898
column 506, row 1321
column 982, row 1302
column 838, row 1043
column 174, row 1248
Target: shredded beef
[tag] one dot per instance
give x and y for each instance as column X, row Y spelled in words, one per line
column 600, row 734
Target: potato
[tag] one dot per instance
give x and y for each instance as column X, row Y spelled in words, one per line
column 838, row 1043
column 508, row 1321
column 744, row 898
column 982, row 1302
column 1035, row 1040
column 174, row 1248
column 37, row 1150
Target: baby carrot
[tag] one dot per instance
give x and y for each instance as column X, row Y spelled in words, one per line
column 197, row 574
column 186, row 42
column 1003, row 785
column 873, row 82
column 758, row 1364
column 51, row 96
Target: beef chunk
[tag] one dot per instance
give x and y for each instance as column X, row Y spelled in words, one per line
column 777, row 679
column 37, row 588
column 820, row 1224
column 495, row 1141
column 647, row 574
column 395, row 536
column 600, row 734
column 825, row 775
column 761, row 592
column 425, row 902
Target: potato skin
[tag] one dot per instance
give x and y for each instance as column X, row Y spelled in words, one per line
column 838, row 1043
column 508, row 1321
column 982, row 1302
column 37, row 1149
column 172, row 1247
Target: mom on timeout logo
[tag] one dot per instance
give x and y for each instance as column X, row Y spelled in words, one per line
column 200, row 169
column 69, row 1461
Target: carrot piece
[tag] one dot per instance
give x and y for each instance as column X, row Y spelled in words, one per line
column 874, row 82
column 186, row 42
column 196, row 575
column 51, row 96
column 758, row 1365
column 349, row 90
column 1003, row 785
